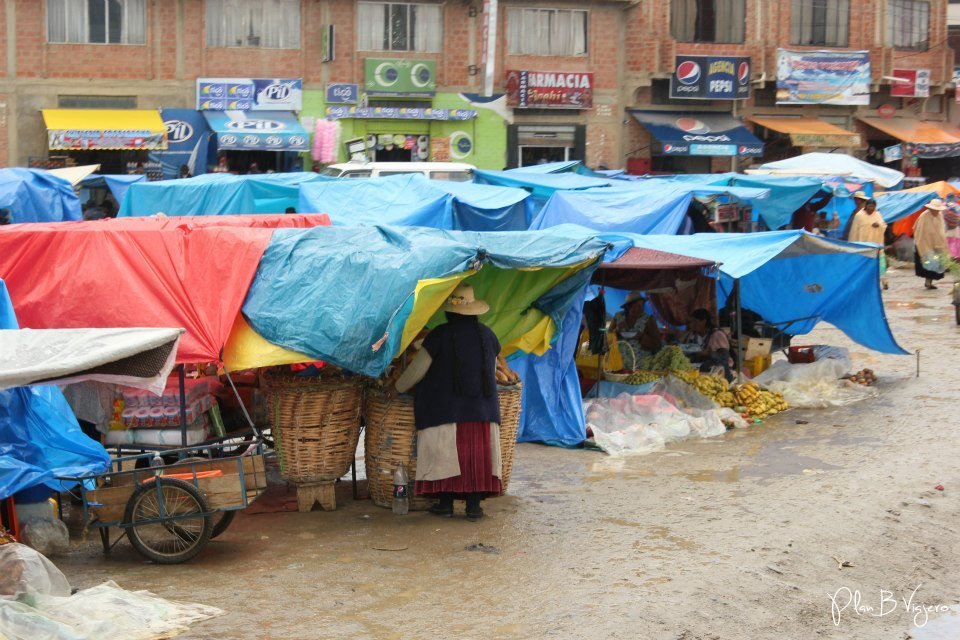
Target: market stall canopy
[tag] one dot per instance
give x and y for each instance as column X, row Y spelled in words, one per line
column 174, row 272
column 809, row 132
column 411, row 200
column 699, row 133
column 378, row 287
column 75, row 175
column 642, row 269
column 567, row 166
column 832, row 164
column 898, row 205
column 33, row 195
column 788, row 275
column 39, row 435
column 217, row 194
column 541, row 185
column 922, row 138
column 104, row 129
column 946, row 191
column 646, row 209
column 117, row 184
column 258, row 130
column 141, row 358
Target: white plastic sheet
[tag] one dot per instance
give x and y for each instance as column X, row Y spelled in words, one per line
column 814, row 385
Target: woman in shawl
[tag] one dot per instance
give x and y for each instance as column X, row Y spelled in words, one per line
column 930, row 237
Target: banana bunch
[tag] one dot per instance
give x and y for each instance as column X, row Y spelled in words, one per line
column 717, row 389
column 689, row 377
column 642, row 377
column 758, row 403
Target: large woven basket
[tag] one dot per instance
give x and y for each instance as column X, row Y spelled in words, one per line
column 390, row 438
column 316, row 426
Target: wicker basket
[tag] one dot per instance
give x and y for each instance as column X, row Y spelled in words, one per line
column 390, row 438
column 316, row 426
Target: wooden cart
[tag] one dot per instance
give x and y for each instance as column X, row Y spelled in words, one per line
column 170, row 513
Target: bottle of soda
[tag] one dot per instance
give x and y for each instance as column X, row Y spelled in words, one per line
column 401, row 502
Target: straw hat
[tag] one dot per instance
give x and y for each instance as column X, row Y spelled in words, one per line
column 462, row 301
column 861, row 195
column 936, row 204
column 632, row 297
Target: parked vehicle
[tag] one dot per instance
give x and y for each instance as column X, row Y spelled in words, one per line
column 455, row 171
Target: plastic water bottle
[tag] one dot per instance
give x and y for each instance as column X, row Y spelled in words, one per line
column 401, row 502
column 157, row 463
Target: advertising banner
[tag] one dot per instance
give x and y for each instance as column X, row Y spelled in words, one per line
column 892, row 153
column 699, row 134
column 187, row 141
column 249, row 94
column 401, row 113
column 710, row 78
column 549, row 90
column 823, row 77
column 343, row 93
column 92, row 139
column 273, row 131
column 415, row 78
column 910, row 83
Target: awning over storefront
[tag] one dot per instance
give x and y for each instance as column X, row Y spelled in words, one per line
column 921, row 138
column 699, row 134
column 809, row 132
column 258, row 130
column 104, row 129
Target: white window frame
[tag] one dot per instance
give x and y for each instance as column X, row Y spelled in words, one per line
column 902, row 32
column 244, row 24
column 730, row 17
column 535, row 31
column 374, row 32
column 64, row 24
column 811, row 18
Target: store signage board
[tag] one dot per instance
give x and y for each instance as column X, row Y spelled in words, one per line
column 886, row 111
column 911, row 83
column 823, row 140
column 343, row 93
column 549, row 90
column 401, row 113
column 710, row 78
column 823, row 77
column 249, row 94
column 892, row 153
column 238, row 130
column 401, row 77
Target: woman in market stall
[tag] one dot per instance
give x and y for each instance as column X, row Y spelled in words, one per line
column 930, row 236
column 714, row 344
column 456, row 408
column 633, row 325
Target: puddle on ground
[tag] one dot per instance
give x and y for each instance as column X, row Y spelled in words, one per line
column 771, row 461
column 945, row 627
column 930, row 319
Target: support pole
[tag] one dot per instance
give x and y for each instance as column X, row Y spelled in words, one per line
column 183, row 406
column 736, row 285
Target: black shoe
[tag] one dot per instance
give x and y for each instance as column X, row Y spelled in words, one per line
column 474, row 513
column 441, row 509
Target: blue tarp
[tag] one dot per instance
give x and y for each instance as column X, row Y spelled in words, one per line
column 217, row 194
column 117, row 184
column 894, row 205
column 366, row 277
column 787, row 194
column 33, row 195
column 788, row 275
column 39, row 435
column 658, row 210
column 549, row 167
column 541, row 185
column 411, row 200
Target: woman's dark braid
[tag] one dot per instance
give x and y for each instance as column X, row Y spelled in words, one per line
column 487, row 391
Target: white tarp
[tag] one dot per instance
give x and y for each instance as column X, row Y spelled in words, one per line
column 833, row 164
column 139, row 358
column 74, row 175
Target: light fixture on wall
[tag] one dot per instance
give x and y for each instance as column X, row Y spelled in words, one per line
column 473, row 69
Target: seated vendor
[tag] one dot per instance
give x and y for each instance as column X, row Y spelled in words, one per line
column 635, row 326
column 715, row 346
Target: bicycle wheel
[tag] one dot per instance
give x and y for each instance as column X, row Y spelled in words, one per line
column 221, row 519
column 167, row 521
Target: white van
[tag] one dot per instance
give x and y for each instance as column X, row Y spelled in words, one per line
column 455, row 171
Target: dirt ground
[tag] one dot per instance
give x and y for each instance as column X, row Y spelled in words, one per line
column 740, row 536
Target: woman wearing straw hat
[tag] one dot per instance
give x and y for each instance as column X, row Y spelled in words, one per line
column 456, row 408
column 930, row 237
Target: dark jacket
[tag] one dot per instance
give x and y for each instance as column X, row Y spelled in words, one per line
column 444, row 396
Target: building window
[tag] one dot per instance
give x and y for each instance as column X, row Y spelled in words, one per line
column 272, row 24
column 820, row 23
column 908, row 24
column 546, row 32
column 399, row 27
column 97, row 21
column 708, row 20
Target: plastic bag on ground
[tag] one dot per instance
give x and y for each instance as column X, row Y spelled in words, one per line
column 104, row 611
column 46, row 535
column 25, row 571
column 814, row 385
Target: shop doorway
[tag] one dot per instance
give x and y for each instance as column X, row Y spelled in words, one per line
column 530, row 155
column 531, row 144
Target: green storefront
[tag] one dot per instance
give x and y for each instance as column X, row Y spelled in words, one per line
column 401, row 118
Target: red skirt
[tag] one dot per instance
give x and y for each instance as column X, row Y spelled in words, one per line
column 476, row 464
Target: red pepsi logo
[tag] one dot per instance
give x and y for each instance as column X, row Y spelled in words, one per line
column 692, row 125
column 688, row 72
column 667, row 148
column 743, row 73
column 742, row 149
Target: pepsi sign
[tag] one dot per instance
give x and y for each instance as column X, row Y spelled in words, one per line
column 710, row 78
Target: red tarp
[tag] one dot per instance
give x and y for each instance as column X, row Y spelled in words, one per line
column 191, row 272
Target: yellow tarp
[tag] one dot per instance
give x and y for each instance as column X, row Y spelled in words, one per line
column 83, row 129
column 810, row 132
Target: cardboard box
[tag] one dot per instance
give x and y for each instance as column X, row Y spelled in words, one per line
column 753, row 347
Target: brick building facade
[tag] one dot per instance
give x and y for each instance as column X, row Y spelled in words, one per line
column 628, row 49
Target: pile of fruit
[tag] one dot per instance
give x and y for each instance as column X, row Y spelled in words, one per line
column 866, row 377
column 670, row 359
column 643, row 377
column 505, row 375
column 749, row 400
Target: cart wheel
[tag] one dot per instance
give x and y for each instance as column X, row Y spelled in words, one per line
column 168, row 541
column 221, row 520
